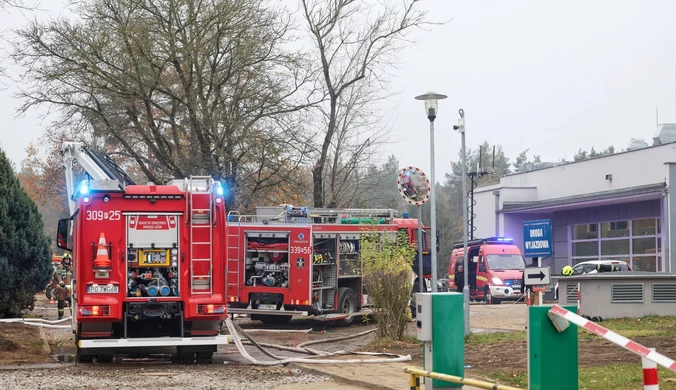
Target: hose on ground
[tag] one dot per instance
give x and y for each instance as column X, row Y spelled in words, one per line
column 324, row 341
column 39, row 322
column 234, row 328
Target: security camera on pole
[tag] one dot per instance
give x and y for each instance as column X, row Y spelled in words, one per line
column 465, row 290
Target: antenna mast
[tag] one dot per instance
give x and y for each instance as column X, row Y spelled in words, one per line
column 473, row 177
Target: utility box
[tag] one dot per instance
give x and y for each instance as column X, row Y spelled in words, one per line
column 424, row 316
column 441, row 325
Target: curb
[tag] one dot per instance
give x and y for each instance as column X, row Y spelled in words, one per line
column 338, row 378
column 45, row 346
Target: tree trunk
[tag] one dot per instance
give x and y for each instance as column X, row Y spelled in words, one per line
column 318, row 169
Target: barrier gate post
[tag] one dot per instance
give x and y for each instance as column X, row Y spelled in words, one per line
column 448, row 337
column 440, row 322
column 552, row 356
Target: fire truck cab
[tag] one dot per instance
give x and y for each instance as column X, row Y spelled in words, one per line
column 287, row 261
column 495, row 269
column 148, row 263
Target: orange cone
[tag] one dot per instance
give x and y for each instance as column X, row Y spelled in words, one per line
column 102, row 260
column 51, row 300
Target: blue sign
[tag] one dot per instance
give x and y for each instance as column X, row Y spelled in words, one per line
column 537, row 238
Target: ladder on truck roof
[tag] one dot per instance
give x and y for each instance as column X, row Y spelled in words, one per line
column 200, row 219
column 233, row 250
column 98, row 166
column 326, row 215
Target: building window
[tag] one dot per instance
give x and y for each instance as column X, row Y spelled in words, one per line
column 638, row 242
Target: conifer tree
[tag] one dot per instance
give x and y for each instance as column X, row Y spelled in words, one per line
column 25, row 260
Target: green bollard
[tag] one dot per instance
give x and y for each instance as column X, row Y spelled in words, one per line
column 448, row 337
column 552, row 355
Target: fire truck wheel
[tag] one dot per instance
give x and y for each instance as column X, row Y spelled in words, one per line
column 205, row 355
column 83, row 357
column 272, row 320
column 347, row 303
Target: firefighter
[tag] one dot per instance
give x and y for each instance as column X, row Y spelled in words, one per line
column 459, row 277
column 62, row 277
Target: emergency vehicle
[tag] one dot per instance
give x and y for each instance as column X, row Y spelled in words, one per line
column 148, row 260
column 287, row 261
column 495, row 269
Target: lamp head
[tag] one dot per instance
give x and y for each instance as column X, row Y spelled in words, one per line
column 431, row 103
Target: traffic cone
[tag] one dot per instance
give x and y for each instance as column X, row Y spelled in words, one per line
column 51, row 300
column 102, row 260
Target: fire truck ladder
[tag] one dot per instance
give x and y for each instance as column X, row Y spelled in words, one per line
column 200, row 218
column 234, row 253
column 321, row 215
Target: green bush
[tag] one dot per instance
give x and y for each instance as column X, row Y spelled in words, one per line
column 387, row 259
column 25, row 260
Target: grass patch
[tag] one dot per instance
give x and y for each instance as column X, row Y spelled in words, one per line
column 646, row 326
column 34, row 343
column 384, row 344
column 613, row 377
column 627, row 327
column 494, row 338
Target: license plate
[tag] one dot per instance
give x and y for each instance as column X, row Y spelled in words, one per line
column 267, row 306
column 103, row 289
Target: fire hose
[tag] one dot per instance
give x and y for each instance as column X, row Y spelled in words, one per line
column 236, row 330
column 39, row 322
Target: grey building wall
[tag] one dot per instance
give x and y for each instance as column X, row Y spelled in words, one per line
column 640, row 294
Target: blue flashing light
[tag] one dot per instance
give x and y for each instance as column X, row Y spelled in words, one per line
column 404, row 215
column 504, row 239
column 219, row 188
column 84, row 187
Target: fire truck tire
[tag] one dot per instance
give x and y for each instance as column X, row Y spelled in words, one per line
column 205, row 355
column 272, row 320
column 347, row 303
column 183, row 355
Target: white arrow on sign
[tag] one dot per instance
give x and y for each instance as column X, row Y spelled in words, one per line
column 536, row 276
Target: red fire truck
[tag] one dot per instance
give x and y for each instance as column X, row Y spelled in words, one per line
column 148, row 260
column 287, row 261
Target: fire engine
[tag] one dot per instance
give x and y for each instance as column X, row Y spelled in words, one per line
column 148, row 260
column 287, row 261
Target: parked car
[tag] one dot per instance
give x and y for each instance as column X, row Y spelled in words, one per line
column 589, row 267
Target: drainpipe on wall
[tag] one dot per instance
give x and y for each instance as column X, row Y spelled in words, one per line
column 665, row 230
column 497, row 213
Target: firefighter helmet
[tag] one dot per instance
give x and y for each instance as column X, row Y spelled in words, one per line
column 66, row 258
column 567, row 270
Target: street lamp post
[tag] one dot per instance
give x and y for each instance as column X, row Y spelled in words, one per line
column 465, row 289
column 431, row 109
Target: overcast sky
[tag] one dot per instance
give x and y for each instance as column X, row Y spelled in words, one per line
column 549, row 76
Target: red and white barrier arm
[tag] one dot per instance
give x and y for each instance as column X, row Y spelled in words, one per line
column 613, row 337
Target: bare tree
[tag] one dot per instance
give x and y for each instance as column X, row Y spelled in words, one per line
column 359, row 130
column 178, row 87
column 356, row 42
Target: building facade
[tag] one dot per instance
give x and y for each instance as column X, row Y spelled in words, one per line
column 621, row 206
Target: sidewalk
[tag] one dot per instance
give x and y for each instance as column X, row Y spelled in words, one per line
column 381, row 376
